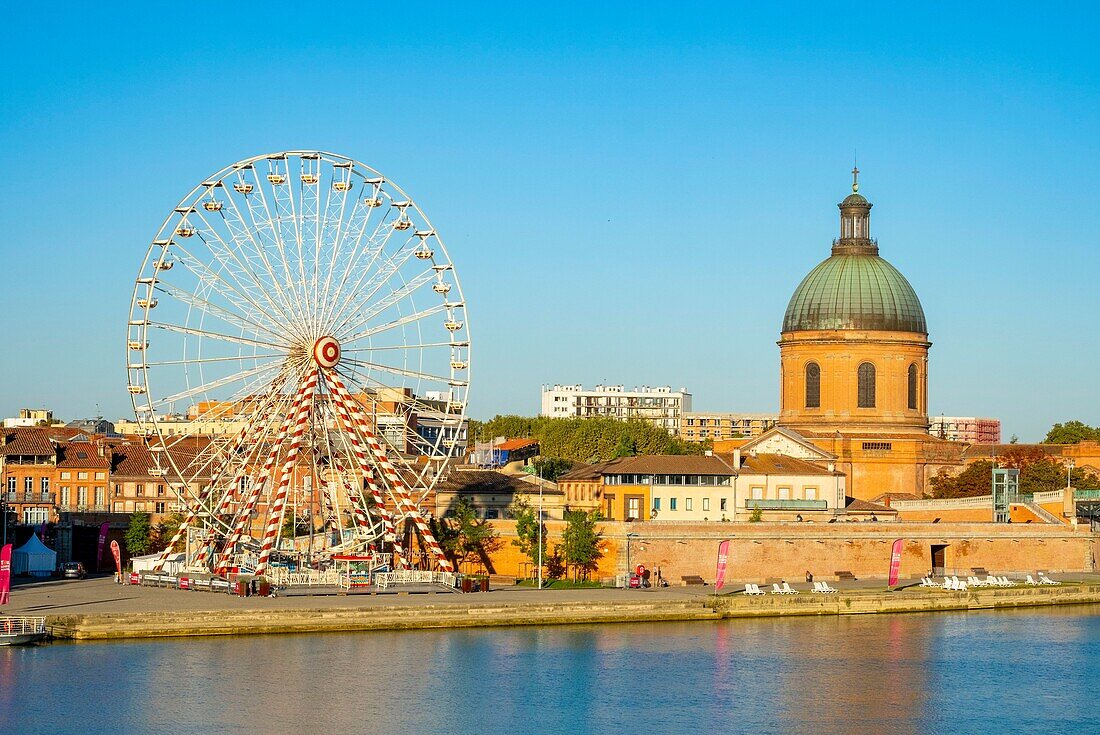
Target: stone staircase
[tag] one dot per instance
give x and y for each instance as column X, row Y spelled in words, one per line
column 1043, row 513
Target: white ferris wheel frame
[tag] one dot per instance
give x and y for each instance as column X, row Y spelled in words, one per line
column 341, row 309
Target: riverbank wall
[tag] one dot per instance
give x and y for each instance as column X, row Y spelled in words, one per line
column 767, row 551
column 102, row 626
column 107, row 626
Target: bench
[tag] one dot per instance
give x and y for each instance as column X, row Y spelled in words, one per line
column 844, row 575
column 692, row 579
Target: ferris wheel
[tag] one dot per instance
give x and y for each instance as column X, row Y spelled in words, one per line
column 298, row 347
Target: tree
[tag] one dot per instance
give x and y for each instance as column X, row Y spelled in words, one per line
column 528, row 525
column 626, row 448
column 139, row 535
column 469, row 534
column 550, row 468
column 594, row 439
column 293, row 525
column 1072, row 432
column 163, row 532
column 976, row 479
column 580, row 542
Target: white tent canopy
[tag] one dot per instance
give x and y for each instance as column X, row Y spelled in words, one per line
column 172, row 565
column 34, row 558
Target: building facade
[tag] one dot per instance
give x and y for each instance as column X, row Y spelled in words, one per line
column 30, row 417
column 969, row 429
column 698, row 427
column 660, row 406
column 854, row 365
column 712, row 487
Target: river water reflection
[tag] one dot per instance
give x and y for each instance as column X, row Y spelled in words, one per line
column 988, row 672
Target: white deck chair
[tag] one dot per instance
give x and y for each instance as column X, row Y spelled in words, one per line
column 831, row 590
column 817, row 588
column 1031, row 580
column 1006, row 582
column 748, row 589
column 776, row 589
column 788, row 590
column 1044, row 579
column 756, row 590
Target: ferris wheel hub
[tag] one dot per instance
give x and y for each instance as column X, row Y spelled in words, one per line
column 326, row 352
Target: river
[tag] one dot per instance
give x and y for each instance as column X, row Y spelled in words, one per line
column 982, row 672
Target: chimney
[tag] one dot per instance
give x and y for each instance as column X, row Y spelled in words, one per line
column 737, row 459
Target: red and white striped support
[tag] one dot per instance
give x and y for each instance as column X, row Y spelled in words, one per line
column 192, row 514
column 275, row 511
column 392, row 476
column 368, row 476
column 244, row 513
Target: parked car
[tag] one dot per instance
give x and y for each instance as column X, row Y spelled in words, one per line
column 73, row 570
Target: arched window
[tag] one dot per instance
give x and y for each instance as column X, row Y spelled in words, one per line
column 813, row 385
column 912, row 387
column 866, row 385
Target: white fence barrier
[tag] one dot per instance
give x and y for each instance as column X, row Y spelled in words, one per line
column 303, row 578
column 981, row 501
column 415, row 576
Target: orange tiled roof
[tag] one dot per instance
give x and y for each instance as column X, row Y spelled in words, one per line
column 866, row 506
column 778, row 464
column 514, row 444
column 36, row 440
column 80, row 455
column 481, row 481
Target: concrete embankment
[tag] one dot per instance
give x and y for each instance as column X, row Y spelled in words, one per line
column 104, row 626
column 240, row 622
column 904, row 601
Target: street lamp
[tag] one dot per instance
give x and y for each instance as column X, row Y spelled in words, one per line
column 1069, row 471
column 540, row 527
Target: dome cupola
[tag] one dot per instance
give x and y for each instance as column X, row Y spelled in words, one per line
column 855, row 288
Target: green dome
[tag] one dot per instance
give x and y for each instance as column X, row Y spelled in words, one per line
column 855, row 291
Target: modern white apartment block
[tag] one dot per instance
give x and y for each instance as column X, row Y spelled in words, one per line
column 697, row 427
column 972, row 429
column 661, row 406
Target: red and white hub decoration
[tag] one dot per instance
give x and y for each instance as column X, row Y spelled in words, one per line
column 326, row 352
column 298, row 355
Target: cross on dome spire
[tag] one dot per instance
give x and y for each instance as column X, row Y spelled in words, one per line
column 855, row 178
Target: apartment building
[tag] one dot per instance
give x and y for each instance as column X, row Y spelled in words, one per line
column 711, row 487
column 50, row 471
column 29, row 470
column 661, row 406
column 697, row 427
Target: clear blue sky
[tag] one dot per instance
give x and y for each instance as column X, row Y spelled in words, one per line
column 630, row 193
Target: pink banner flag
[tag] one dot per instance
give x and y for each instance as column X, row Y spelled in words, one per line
column 5, row 573
column 720, row 571
column 118, row 558
column 895, row 563
column 102, row 544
